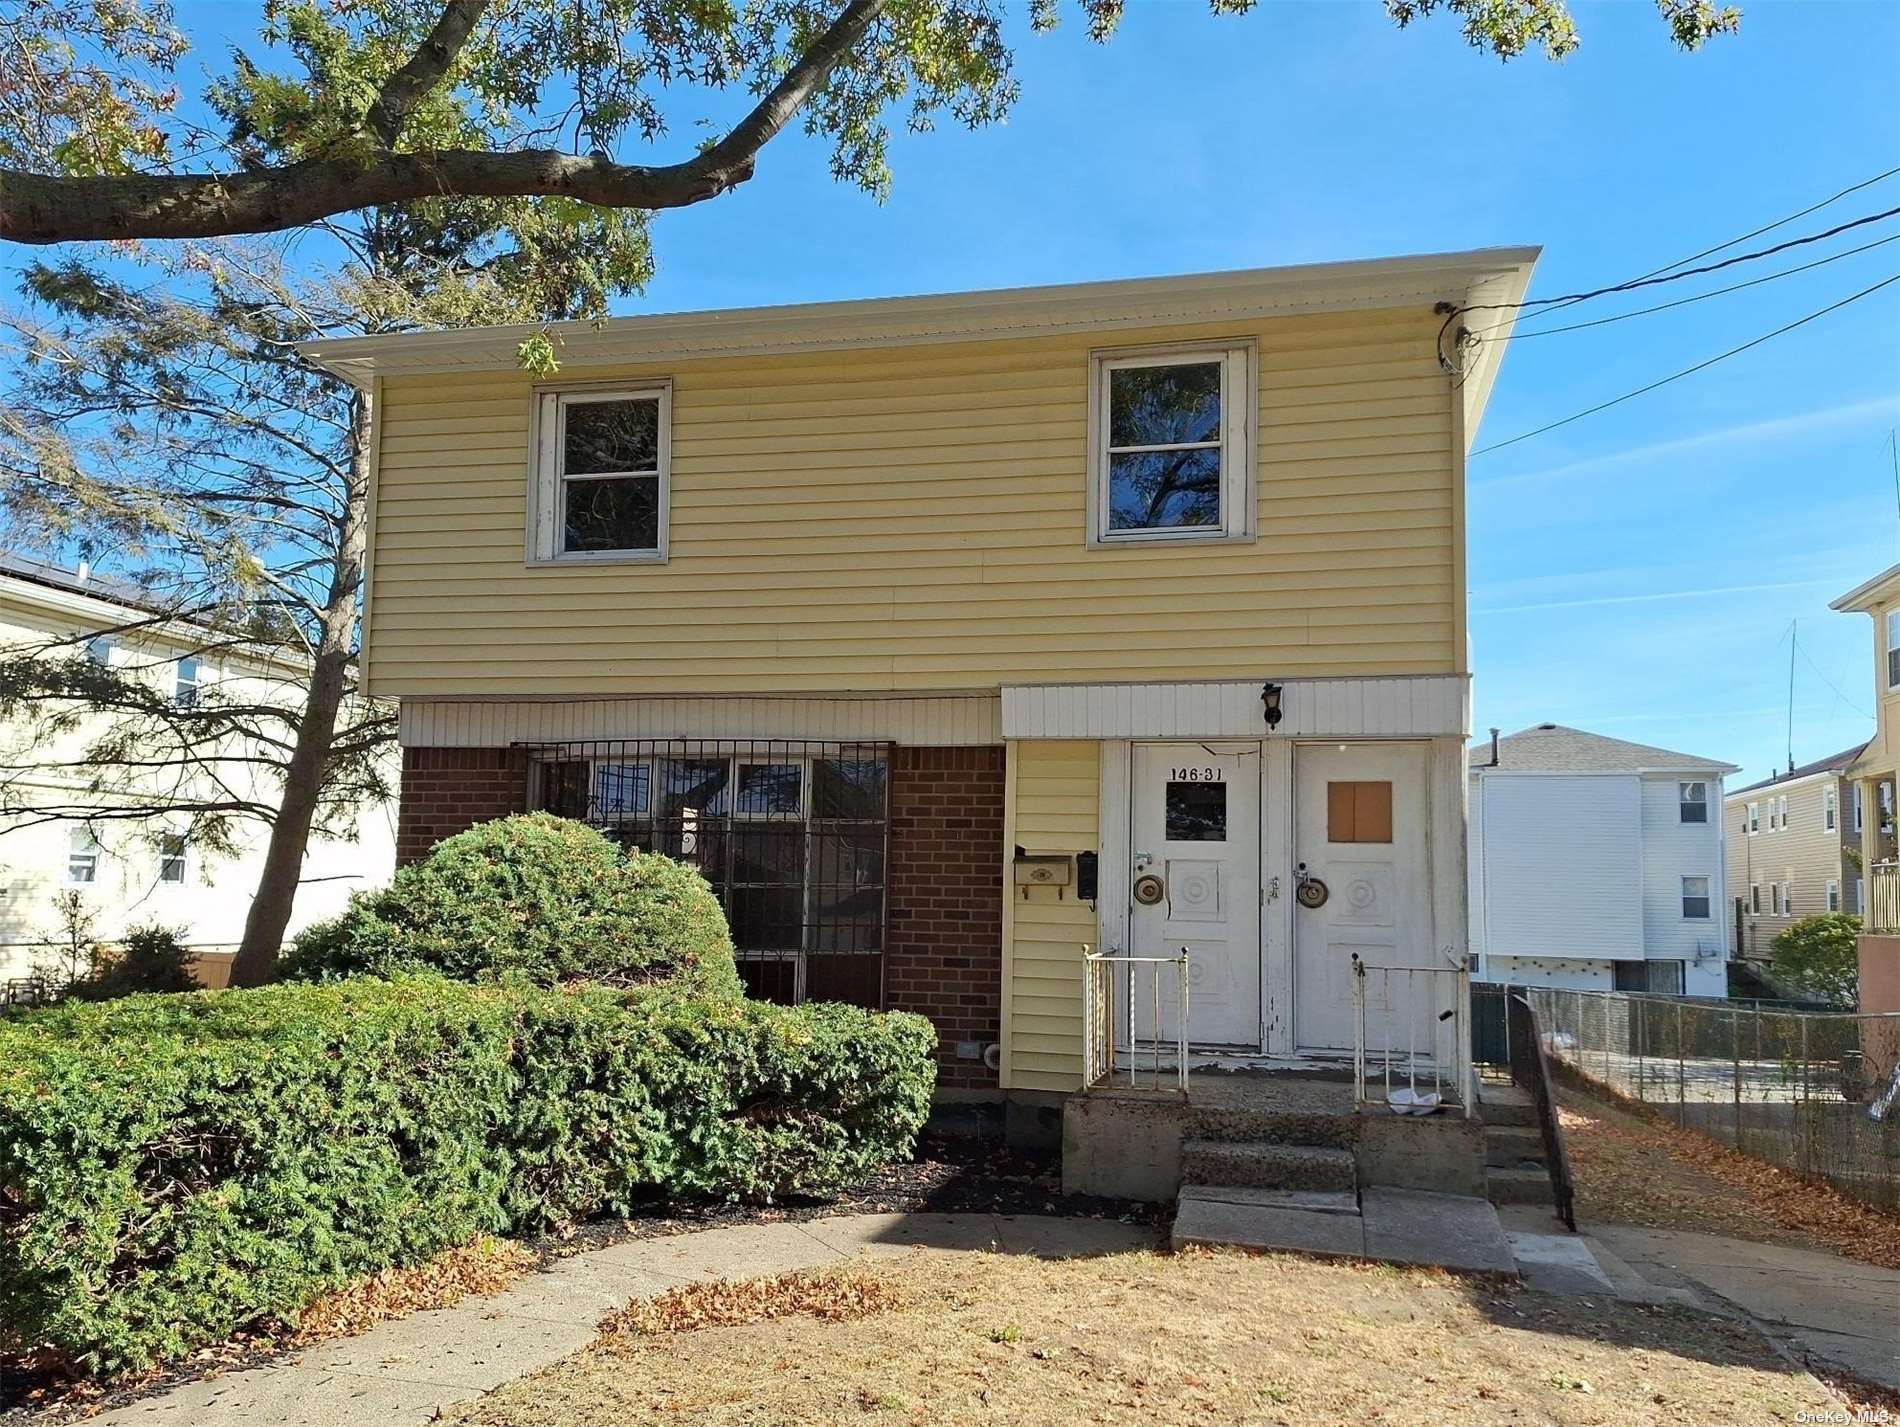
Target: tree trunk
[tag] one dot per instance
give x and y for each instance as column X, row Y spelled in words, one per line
column 276, row 894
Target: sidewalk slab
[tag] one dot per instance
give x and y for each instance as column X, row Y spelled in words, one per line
column 461, row 1347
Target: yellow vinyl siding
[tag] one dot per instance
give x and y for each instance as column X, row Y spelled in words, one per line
column 912, row 518
column 1052, row 802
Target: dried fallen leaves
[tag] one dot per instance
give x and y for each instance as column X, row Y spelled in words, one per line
column 834, row 1297
column 485, row 1266
column 1636, row 1170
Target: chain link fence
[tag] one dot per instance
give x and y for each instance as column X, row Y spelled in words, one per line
column 1813, row 1092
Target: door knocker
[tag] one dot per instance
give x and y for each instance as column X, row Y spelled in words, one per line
column 1149, row 889
column 1308, row 890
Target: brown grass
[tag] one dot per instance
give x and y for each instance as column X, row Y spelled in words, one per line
column 1633, row 1169
column 1202, row 1338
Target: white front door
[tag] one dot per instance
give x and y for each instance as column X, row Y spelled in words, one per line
column 1195, row 830
column 1359, row 827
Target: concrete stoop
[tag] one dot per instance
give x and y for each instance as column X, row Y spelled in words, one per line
column 1406, row 1226
column 1516, row 1171
column 1265, row 1164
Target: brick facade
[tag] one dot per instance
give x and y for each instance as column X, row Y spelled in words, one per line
column 944, row 951
column 446, row 790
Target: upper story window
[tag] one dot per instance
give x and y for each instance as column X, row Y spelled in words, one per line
column 1781, row 811
column 82, row 858
column 1695, row 898
column 190, row 676
column 1893, row 648
column 1692, row 802
column 601, row 474
column 99, row 650
column 1170, row 447
column 1830, row 809
column 1754, row 818
column 1833, row 895
column 171, row 857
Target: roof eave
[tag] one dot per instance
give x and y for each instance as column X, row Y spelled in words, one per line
column 1482, row 277
column 1869, row 595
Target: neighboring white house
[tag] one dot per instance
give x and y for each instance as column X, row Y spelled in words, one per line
column 1597, row 864
column 129, row 874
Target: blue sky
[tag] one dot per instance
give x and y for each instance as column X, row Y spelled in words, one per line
column 1635, row 573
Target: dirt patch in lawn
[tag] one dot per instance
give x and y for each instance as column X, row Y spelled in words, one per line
column 1632, row 1169
column 1167, row 1341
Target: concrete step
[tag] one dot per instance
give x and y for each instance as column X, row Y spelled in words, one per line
column 1513, row 1146
column 1262, row 1164
column 1284, row 1127
column 1395, row 1225
column 1316, row 1201
column 1506, row 1105
column 1517, row 1186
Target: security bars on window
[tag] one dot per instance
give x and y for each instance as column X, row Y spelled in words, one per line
column 793, row 835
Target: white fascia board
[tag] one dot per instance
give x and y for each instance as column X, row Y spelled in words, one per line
column 94, row 612
column 1864, row 598
column 1462, row 278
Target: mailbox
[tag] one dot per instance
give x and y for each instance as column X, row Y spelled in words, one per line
column 1044, row 869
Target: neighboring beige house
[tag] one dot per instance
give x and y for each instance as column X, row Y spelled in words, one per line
column 953, row 637
column 136, row 874
column 1793, row 849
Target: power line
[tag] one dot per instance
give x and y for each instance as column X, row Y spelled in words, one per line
column 1699, row 297
column 1574, row 297
column 1765, row 228
column 1690, row 371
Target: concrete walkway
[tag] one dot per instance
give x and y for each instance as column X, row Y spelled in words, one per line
column 1816, row 1305
column 410, row 1370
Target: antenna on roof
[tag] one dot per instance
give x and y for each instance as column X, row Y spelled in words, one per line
column 1794, row 640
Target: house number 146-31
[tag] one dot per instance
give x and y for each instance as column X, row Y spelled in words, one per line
column 1196, row 775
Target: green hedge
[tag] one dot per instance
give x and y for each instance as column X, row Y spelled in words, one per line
column 174, row 1167
column 536, row 896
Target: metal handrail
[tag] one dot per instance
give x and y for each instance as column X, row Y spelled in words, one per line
column 1452, row 1069
column 1099, row 1018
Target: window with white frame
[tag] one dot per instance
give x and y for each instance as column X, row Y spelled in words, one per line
column 1781, row 810
column 1692, row 802
column 1170, row 445
column 1774, row 898
column 1854, row 794
column 1754, row 818
column 602, row 462
column 99, row 650
column 1893, row 648
column 1830, row 809
column 189, row 676
column 1695, row 898
column 82, row 858
column 1754, row 898
column 1833, row 895
column 171, row 857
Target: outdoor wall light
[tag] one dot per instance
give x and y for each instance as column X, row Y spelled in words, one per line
column 1270, row 703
